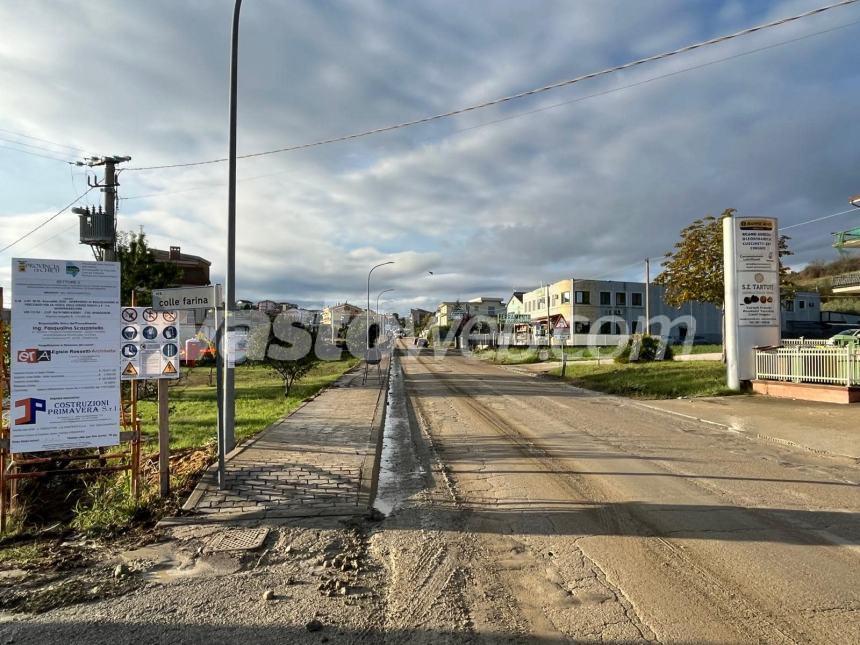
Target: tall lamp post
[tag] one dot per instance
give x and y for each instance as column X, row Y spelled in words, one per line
column 227, row 439
column 367, row 317
column 377, row 304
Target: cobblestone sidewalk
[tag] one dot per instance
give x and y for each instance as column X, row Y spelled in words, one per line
column 317, row 461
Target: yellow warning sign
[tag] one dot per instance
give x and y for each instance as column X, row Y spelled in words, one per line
column 130, row 370
column 170, row 368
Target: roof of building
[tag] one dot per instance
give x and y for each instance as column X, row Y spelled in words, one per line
column 184, row 258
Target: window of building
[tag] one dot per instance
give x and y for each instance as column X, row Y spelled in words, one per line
column 565, row 297
column 802, row 304
column 789, row 306
column 582, row 327
column 491, row 311
column 583, row 297
column 636, row 299
column 605, row 298
column 811, row 305
column 620, row 299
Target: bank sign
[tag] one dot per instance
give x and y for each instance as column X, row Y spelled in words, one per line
column 65, row 355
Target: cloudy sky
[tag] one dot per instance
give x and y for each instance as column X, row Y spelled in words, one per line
column 585, row 181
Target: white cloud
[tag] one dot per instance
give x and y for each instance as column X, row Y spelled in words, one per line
column 586, row 188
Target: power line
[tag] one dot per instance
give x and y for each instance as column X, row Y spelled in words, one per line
column 48, row 239
column 54, row 143
column 50, row 219
column 35, row 154
column 32, row 145
column 819, row 219
column 544, row 108
column 520, row 95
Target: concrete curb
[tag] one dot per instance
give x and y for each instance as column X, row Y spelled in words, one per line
column 370, row 465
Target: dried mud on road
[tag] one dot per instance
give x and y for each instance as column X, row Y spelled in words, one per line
column 517, row 512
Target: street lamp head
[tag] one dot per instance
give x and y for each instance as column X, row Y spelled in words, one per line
column 855, row 201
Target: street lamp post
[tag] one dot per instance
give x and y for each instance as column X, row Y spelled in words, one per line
column 367, row 316
column 377, row 304
column 226, row 439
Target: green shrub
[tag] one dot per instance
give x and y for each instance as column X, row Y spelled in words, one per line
column 644, row 349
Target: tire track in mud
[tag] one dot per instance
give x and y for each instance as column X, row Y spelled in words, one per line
column 516, row 579
column 730, row 607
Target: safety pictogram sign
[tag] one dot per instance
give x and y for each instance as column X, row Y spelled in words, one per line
column 150, row 344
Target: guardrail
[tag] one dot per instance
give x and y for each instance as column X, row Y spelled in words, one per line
column 825, row 365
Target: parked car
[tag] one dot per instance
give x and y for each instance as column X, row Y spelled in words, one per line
column 847, row 338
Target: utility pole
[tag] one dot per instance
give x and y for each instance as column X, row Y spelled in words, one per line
column 98, row 229
column 548, row 322
column 228, row 433
column 647, row 296
column 110, row 200
column 572, row 298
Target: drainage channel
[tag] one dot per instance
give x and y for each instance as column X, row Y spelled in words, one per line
column 400, row 469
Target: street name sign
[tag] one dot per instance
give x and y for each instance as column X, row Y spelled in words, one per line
column 65, row 355
column 150, row 344
column 187, row 298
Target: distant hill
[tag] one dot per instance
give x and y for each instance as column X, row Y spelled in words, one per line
column 817, row 276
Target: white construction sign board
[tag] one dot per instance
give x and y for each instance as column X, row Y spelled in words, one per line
column 64, row 355
column 751, row 264
column 187, row 298
column 150, row 344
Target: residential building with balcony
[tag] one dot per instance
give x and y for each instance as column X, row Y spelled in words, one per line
column 483, row 308
column 340, row 314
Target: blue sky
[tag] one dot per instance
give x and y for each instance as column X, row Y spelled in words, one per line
column 584, row 189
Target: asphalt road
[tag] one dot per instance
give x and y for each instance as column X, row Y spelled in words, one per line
column 560, row 514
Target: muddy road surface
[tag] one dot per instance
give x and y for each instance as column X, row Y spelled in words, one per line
column 518, row 509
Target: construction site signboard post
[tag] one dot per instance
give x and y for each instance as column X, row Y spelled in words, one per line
column 65, row 355
column 150, row 344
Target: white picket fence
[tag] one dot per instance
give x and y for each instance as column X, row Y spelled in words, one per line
column 799, row 364
column 803, row 342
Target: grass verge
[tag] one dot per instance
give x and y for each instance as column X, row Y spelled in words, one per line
column 658, row 380
column 526, row 355
column 698, row 349
column 103, row 505
column 259, row 402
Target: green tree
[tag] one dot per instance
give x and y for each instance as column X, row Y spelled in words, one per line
column 288, row 351
column 694, row 270
column 140, row 270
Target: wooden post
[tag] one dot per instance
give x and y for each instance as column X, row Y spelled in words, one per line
column 163, row 438
column 6, row 486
